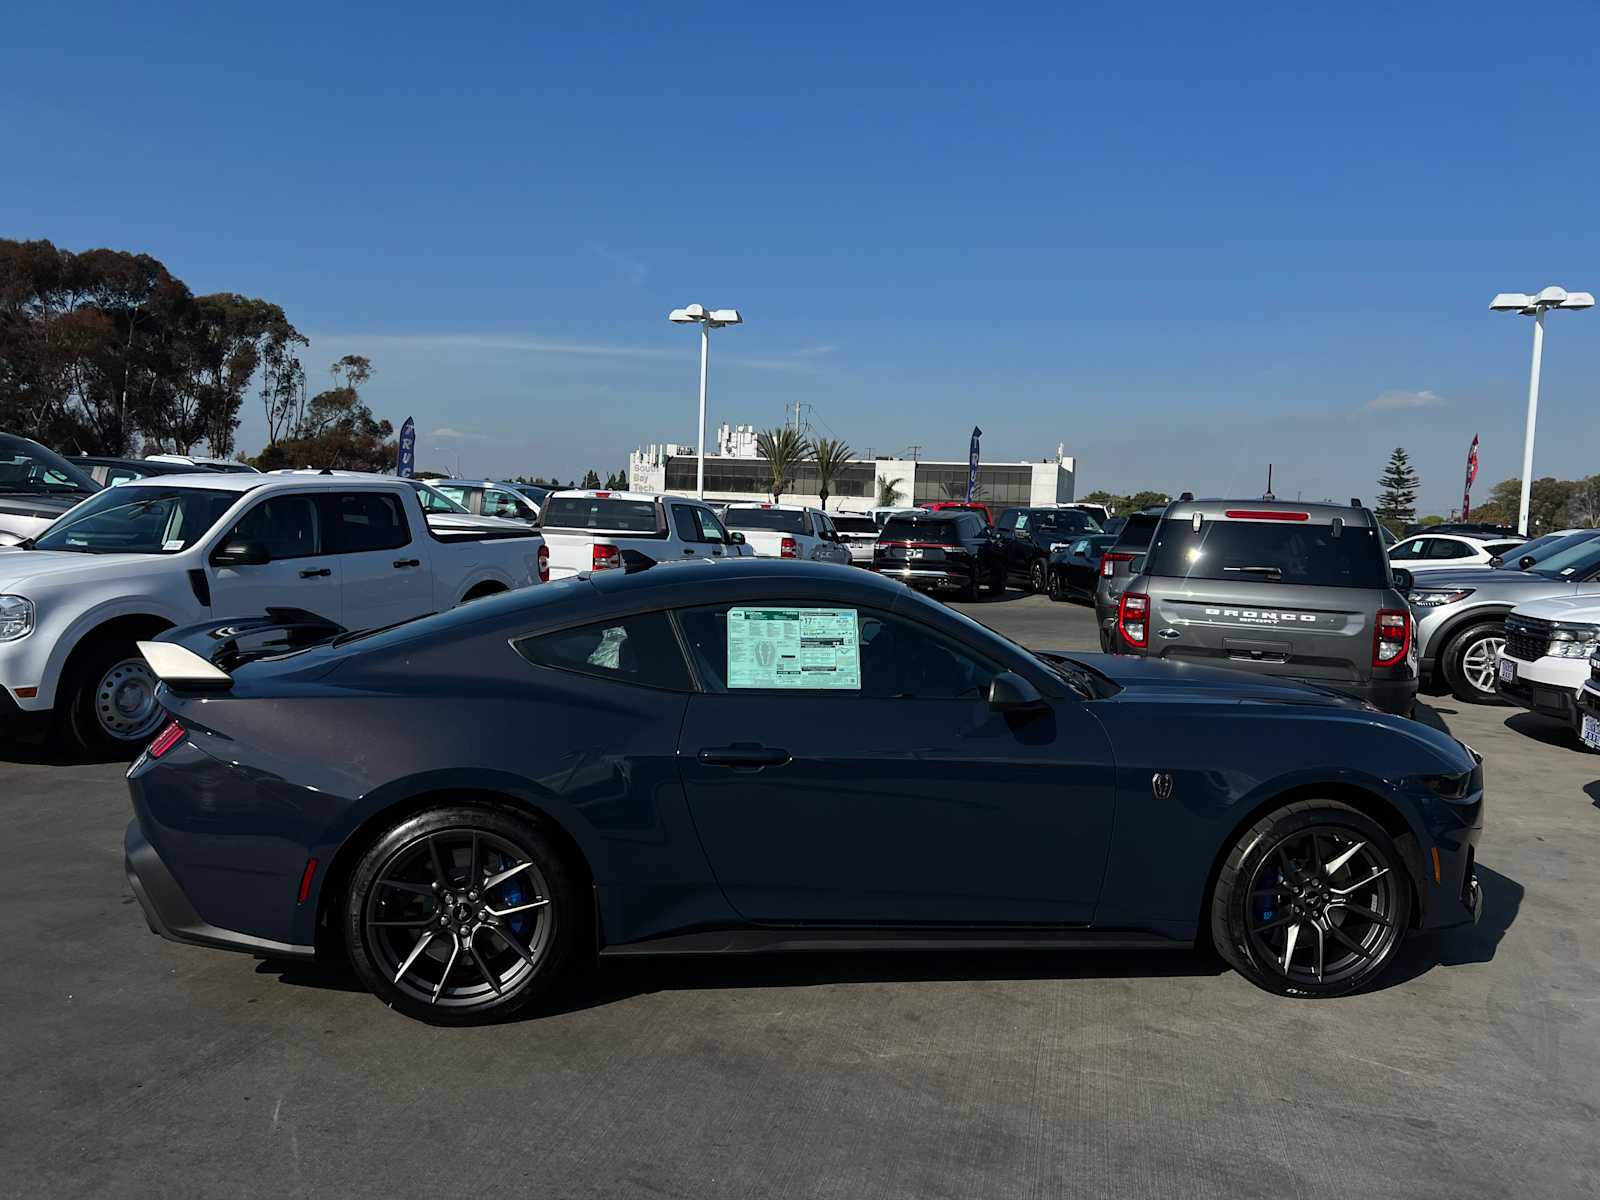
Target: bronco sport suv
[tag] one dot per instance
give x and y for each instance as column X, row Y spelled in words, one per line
column 1297, row 591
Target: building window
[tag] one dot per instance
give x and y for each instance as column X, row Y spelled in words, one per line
column 996, row 484
column 753, row 476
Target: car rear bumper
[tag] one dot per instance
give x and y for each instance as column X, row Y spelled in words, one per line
column 169, row 913
column 928, row 577
column 1397, row 696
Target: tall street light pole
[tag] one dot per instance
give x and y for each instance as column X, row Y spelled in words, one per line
column 707, row 319
column 1535, row 307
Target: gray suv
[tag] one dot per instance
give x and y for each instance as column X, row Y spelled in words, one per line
column 1461, row 614
column 1296, row 591
column 1124, row 560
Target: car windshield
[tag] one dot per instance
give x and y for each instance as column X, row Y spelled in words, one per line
column 1572, row 562
column 600, row 512
column 1544, row 547
column 533, row 492
column 433, row 500
column 1282, row 551
column 138, row 518
column 28, row 468
column 781, row 520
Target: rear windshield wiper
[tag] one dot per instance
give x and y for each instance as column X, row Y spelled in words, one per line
column 1269, row 572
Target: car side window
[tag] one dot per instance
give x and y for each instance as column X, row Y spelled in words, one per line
column 116, row 475
column 365, row 521
column 288, row 526
column 1007, row 519
column 501, row 504
column 458, row 494
column 802, row 648
column 640, row 650
column 1447, row 548
column 1409, row 550
column 711, row 529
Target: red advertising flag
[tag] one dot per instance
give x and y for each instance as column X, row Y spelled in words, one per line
column 1472, row 475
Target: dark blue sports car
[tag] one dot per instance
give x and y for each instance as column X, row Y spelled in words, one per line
column 757, row 755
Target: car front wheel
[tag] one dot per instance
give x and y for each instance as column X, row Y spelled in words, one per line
column 1036, row 577
column 1058, row 589
column 462, row 915
column 1469, row 663
column 1313, row 900
column 111, row 703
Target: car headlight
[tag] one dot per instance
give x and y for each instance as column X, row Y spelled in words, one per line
column 1433, row 598
column 16, row 618
column 1574, row 641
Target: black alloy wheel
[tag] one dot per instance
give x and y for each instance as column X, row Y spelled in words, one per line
column 1058, row 587
column 461, row 915
column 1314, row 900
column 1036, row 576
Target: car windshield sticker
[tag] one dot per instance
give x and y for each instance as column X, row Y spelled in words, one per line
column 793, row 648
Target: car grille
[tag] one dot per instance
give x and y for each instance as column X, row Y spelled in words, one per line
column 1527, row 638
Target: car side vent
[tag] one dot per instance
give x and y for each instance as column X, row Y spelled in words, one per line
column 201, row 586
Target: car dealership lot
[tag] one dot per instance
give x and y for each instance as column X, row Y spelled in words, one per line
column 136, row 1066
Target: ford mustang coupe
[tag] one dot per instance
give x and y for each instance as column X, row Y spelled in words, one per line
column 762, row 756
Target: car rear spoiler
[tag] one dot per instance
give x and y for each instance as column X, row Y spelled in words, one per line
column 200, row 657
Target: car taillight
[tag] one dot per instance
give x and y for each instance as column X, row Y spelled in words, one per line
column 1133, row 619
column 165, row 740
column 544, row 564
column 1391, row 637
column 788, row 548
column 604, row 557
column 1108, row 563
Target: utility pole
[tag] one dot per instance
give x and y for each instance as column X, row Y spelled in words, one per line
column 914, row 449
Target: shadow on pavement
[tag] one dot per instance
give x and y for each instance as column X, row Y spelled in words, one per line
column 48, row 752
column 1427, row 714
column 1502, row 898
column 1592, row 790
column 1545, row 729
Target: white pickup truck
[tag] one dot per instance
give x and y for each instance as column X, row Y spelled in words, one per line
column 140, row 558
column 788, row 531
column 601, row 531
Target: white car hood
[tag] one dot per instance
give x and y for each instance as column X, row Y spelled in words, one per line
column 21, row 570
column 1562, row 608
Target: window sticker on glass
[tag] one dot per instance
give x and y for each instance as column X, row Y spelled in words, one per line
column 793, row 648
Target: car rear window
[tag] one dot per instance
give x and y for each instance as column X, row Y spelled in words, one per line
column 1137, row 530
column 776, row 519
column 855, row 524
column 1293, row 552
column 594, row 512
column 944, row 531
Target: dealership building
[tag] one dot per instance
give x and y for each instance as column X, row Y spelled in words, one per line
column 736, row 472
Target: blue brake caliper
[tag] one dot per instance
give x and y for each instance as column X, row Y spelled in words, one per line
column 1266, row 905
column 511, row 896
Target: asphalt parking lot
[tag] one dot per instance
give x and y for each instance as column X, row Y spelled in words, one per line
column 133, row 1066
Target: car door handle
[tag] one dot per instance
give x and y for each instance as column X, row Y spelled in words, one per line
column 407, row 562
column 687, row 550
column 319, row 573
column 745, row 757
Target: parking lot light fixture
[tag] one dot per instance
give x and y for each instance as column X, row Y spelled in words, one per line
column 1535, row 306
column 716, row 318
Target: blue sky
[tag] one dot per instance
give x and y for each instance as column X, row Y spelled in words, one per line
column 1184, row 240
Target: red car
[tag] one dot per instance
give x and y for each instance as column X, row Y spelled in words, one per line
column 970, row 505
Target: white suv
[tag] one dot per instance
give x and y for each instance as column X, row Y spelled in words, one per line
column 1544, row 663
column 1433, row 551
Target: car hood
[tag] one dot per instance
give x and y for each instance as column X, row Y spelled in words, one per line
column 1493, row 583
column 21, row 570
column 1152, row 675
column 36, row 504
column 1562, row 608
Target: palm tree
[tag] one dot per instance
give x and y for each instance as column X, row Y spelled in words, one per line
column 785, row 449
column 831, row 456
column 889, row 492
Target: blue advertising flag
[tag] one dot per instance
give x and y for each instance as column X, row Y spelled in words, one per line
column 972, row 463
column 406, row 468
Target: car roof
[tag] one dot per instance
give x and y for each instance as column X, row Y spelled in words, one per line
column 733, row 504
column 1218, row 510
column 721, row 579
column 931, row 514
column 614, row 494
column 483, row 483
column 240, row 481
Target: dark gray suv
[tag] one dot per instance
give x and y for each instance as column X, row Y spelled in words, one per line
column 1297, row 591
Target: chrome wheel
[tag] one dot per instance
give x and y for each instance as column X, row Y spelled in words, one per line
column 1478, row 663
column 1324, row 907
column 125, row 701
column 459, row 918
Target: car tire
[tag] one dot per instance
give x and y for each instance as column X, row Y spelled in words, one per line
column 109, row 705
column 1057, row 588
column 468, row 962
column 997, row 582
column 1286, row 922
column 1469, row 660
column 969, row 590
column 1037, row 582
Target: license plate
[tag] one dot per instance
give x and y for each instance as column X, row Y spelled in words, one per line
column 1591, row 731
column 914, row 553
column 1508, row 671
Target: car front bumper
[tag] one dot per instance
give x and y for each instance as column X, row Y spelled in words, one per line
column 1547, row 686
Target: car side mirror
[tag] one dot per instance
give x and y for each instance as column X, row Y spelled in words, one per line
column 1526, row 561
column 1403, row 579
column 237, row 553
column 735, row 538
column 1497, row 561
column 1010, row 692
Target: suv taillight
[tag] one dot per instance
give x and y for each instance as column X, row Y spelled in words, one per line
column 604, row 557
column 1108, row 563
column 1133, row 619
column 1391, row 637
column 544, row 564
column 169, row 737
column 788, row 548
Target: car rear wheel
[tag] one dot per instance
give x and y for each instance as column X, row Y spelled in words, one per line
column 1313, row 900
column 1469, row 663
column 1036, row 576
column 111, row 699
column 462, row 915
